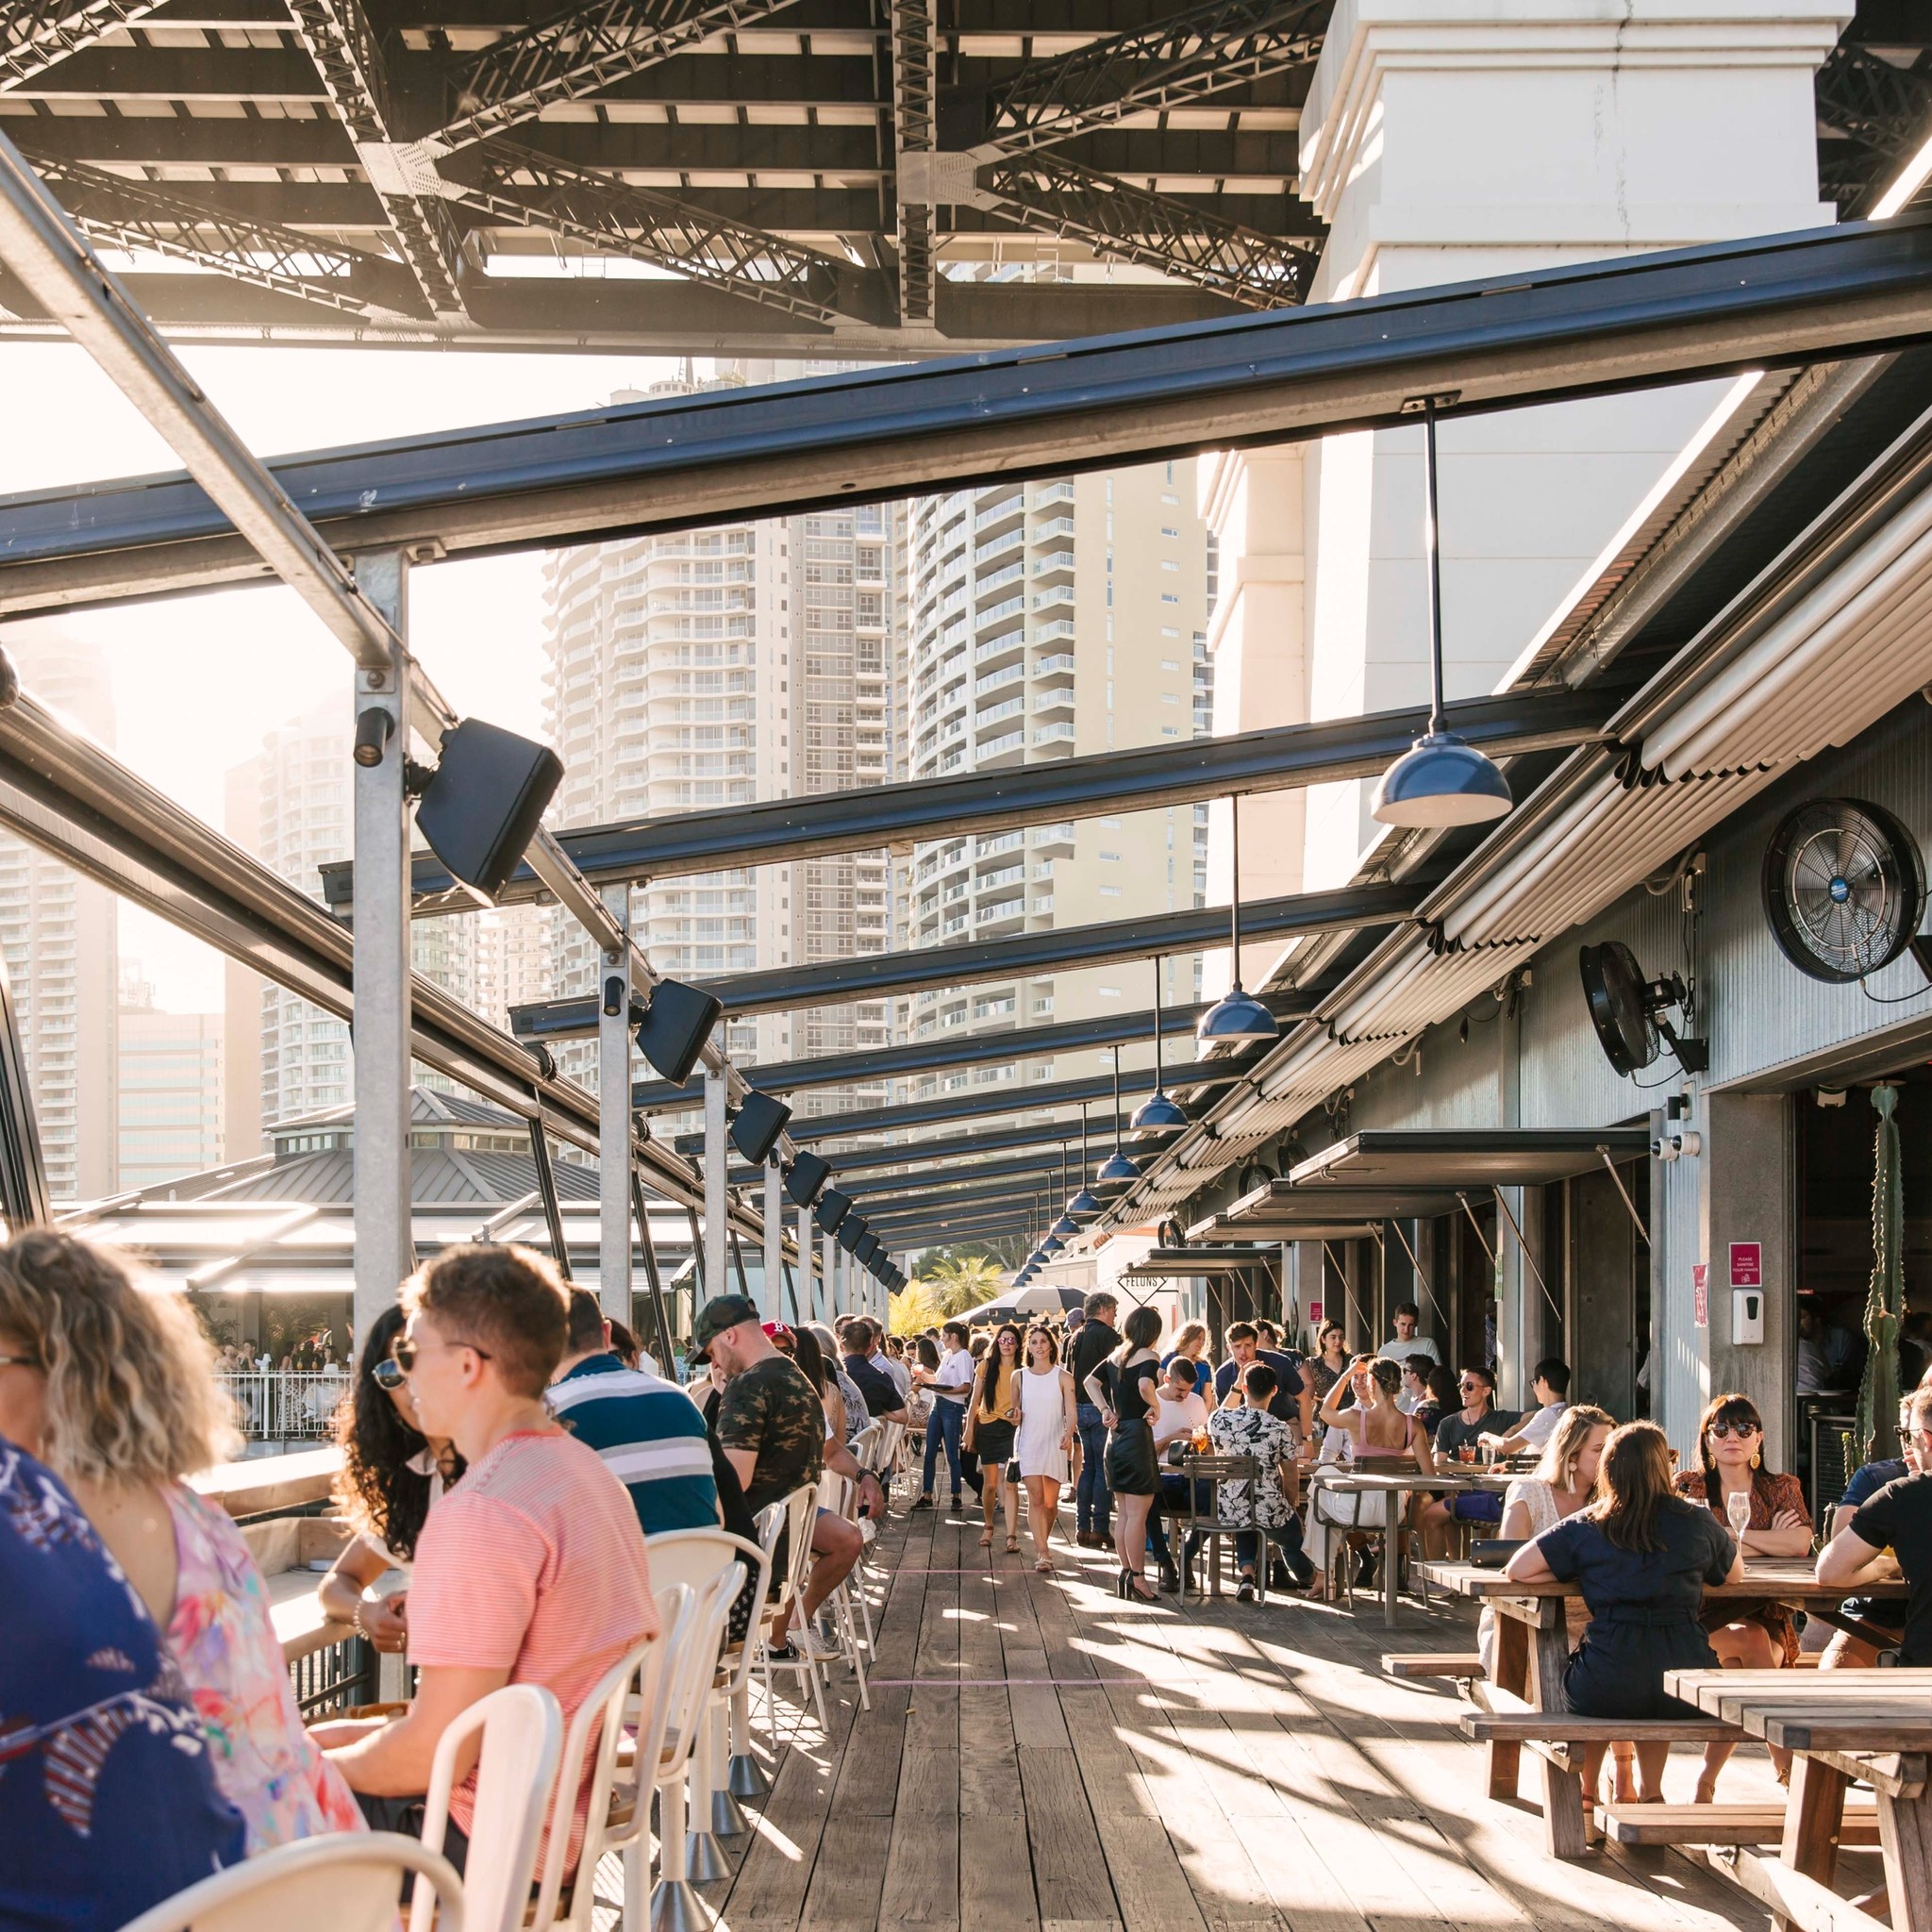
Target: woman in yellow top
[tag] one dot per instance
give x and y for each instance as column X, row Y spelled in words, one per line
column 992, row 1418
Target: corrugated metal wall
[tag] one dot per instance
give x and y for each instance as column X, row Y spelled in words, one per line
column 1765, row 1020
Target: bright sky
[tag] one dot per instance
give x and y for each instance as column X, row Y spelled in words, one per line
column 199, row 680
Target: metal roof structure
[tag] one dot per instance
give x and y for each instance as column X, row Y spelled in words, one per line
column 824, row 178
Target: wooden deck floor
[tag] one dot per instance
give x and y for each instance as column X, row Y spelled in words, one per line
column 1039, row 1754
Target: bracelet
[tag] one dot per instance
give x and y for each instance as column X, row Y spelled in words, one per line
column 356, row 1622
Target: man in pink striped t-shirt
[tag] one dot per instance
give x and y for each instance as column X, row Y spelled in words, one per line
column 532, row 1569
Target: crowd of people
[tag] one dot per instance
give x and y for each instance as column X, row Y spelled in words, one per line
column 507, row 1452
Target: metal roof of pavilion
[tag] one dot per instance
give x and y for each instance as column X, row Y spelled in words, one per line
column 798, row 178
column 1382, row 1159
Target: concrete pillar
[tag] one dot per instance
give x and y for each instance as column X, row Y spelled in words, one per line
column 1448, row 140
column 1749, row 1194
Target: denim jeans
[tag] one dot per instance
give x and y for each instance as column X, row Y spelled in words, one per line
column 1093, row 1501
column 942, row 1426
column 1286, row 1539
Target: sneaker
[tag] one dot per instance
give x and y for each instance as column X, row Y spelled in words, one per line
column 811, row 1641
column 1244, row 1591
column 958, row 1502
column 923, row 1502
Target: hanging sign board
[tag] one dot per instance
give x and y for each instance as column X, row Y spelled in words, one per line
column 1747, row 1264
column 1315, row 1313
column 1700, row 1293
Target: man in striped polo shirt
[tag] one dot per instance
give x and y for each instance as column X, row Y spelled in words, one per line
column 648, row 1431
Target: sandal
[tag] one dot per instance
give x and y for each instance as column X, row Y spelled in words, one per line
column 986, row 1541
column 1012, row 1546
column 1043, row 1568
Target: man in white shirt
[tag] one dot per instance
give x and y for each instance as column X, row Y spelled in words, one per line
column 1179, row 1410
column 951, row 1384
column 1551, row 1387
column 1406, row 1342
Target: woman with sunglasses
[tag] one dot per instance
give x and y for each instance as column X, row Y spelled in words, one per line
column 392, row 1474
column 1766, row 1512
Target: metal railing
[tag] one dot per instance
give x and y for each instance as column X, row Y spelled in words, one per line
column 274, row 1405
column 332, row 1675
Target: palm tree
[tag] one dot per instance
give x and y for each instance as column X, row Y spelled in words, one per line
column 962, row 1281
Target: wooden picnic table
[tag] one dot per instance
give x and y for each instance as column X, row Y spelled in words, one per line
column 1871, row 1726
column 1532, row 1650
column 1398, row 1486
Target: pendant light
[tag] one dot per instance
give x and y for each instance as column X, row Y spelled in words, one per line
column 1086, row 1204
column 1117, row 1170
column 1157, row 1114
column 1237, row 1018
column 1066, row 1227
column 1440, row 780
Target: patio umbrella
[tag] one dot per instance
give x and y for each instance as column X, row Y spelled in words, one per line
column 1036, row 1300
column 1878, row 1388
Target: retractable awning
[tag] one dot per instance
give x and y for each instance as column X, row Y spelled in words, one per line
column 1463, row 1158
column 1166, row 1264
column 1292, row 1212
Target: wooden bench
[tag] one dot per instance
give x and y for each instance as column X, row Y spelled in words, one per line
column 1459, row 1667
column 1721, row 1824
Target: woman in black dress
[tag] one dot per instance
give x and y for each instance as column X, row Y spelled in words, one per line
column 1644, row 1556
column 992, row 1415
column 1123, row 1388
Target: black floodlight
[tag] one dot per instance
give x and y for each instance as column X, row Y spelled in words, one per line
column 867, row 1249
column 852, row 1230
column 675, row 1025
column 760, row 1120
column 805, row 1178
column 488, row 796
column 832, row 1208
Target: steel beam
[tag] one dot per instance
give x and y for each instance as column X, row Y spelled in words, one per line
column 1016, row 1096
column 572, row 56
column 1175, row 62
column 990, row 1194
column 871, row 975
column 530, row 190
column 964, row 1146
column 1147, row 778
column 349, row 60
column 1050, row 194
column 869, row 436
column 925, row 1055
column 859, row 1188
column 915, row 82
column 35, row 35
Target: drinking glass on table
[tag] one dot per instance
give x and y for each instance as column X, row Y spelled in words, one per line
column 1737, row 1511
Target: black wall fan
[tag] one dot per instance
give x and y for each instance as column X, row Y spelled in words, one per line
column 1844, row 889
column 1627, row 1010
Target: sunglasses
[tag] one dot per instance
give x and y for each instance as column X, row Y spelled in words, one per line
column 1737, row 1429
column 403, row 1352
column 387, row 1374
column 1468, row 1382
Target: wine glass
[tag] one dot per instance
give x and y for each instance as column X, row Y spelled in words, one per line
column 1738, row 1509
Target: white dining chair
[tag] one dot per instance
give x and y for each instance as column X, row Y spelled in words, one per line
column 341, row 1882
column 521, row 1730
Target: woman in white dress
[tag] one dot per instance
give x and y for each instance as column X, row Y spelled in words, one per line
column 1045, row 1445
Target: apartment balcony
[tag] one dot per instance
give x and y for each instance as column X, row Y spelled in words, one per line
column 995, row 513
column 1059, row 735
column 1055, row 698
column 1001, row 649
column 1058, row 563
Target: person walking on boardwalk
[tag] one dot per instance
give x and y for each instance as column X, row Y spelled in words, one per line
column 992, row 1424
column 1043, row 1446
column 1124, row 1389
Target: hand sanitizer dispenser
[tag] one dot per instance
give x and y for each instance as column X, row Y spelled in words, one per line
column 1747, row 1315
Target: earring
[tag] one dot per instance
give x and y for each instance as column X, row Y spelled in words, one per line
column 1757, row 1458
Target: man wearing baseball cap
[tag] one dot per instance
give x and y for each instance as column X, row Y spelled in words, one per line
column 771, row 1426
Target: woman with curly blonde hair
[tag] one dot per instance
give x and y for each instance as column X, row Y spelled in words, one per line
column 114, row 1390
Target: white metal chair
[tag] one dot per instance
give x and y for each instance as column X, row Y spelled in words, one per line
column 628, row 1822
column 590, row 1758
column 341, row 1882
column 846, row 1601
column 676, row 1906
column 801, row 1512
column 521, row 1727
column 747, row 1778
column 697, row 1556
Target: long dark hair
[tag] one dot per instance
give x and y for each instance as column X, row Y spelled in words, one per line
column 928, row 1353
column 1141, row 1329
column 377, row 1490
column 1633, row 1487
column 1734, row 1410
column 809, row 1356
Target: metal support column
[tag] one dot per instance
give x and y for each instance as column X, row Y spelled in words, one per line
column 384, row 1252
column 808, row 1294
column 613, row 1118
column 547, row 1193
column 660, row 1316
column 774, row 1243
column 828, row 1276
column 717, row 1197
column 22, row 1168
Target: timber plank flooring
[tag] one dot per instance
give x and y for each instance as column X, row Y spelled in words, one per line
column 1041, row 1756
